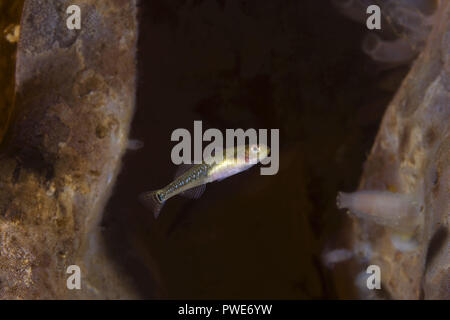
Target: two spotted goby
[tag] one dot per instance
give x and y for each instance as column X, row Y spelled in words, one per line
column 192, row 182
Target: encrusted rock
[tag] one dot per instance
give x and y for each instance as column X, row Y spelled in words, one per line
column 75, row 94
column 411, row 156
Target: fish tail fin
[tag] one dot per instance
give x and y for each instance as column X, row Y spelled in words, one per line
column 152, row 202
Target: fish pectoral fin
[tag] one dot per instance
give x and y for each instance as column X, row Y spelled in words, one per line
column 194, row 193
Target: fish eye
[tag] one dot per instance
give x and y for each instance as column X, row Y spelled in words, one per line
column 255, row 148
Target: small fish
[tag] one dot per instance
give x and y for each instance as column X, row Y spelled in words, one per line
column 192, row 182
column 398, row 211
column 333, row 257
column 134, row 144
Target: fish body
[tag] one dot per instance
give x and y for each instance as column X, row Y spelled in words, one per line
column 333, row 257
column 398, row 211
column 191, row 182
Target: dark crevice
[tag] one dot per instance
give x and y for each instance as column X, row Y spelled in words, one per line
column 436, row 243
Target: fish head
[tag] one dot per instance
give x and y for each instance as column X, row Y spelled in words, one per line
column 255, row 153
column 248, row 154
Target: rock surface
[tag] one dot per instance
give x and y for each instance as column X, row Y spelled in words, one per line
column 411, row 155
column 74, row 101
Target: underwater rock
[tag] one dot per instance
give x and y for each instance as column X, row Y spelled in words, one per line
column 411, row 157
column 9, row 31
column 407, row 21
column 75, row 92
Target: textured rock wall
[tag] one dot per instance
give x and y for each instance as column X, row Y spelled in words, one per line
column 74, row 102
column 9, row 22
column 411, row 155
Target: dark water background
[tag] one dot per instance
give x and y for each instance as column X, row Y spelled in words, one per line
column 293, row 65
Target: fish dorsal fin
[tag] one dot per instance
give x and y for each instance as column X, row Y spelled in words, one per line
column 182, row 169
column 194, row 193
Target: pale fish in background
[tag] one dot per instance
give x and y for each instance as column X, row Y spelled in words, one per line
column 398, row 211
column 191, row 181
column 332, row 257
